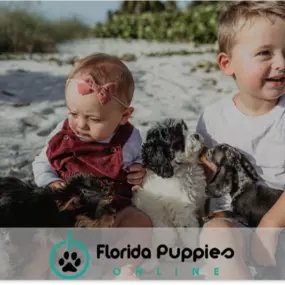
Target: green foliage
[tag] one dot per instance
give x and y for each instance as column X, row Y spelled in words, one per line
column 138, row 7
column 70, row 29
column 23, row 31
column 193, row 4
column 128, row 57
column 170, row 5
column 55, row 59
column 180, row 52
column 198, row 24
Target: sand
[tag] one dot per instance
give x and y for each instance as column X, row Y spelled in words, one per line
column 32, row 93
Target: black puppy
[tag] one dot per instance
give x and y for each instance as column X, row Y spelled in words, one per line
column 162, row 142
column 84, row 201
column 236, row 175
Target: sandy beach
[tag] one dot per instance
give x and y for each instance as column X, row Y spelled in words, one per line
column 32, row 93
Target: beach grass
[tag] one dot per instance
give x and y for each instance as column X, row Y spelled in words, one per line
column 25, row 31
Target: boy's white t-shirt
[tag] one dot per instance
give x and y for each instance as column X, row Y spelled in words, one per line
column 260, row 138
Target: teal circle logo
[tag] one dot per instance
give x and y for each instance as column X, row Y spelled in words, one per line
column 70, row 260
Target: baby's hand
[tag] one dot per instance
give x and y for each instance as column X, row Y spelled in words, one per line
column 136, row 175
column 57, row 185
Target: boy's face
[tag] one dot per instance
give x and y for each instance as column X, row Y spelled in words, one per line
column 257, row 60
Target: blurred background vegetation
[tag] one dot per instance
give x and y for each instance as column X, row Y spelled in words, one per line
column 23, row 29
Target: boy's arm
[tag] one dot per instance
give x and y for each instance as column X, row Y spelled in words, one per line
column 264, row 240
column 43, row 172
column 275, row 217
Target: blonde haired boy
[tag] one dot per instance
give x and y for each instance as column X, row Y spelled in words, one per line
column 251, row 36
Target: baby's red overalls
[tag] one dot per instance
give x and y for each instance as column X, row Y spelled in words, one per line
column 69, row 155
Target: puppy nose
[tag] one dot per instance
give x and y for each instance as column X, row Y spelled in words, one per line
column 196, row 137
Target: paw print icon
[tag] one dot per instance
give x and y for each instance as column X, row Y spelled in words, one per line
column 69, row 262
column 73, row 260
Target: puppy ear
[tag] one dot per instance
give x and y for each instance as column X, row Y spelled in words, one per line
column 64, row 199
column 247, row 166
column 153, row 134
column 222, row 183
column 157, row 158
column 237, row 157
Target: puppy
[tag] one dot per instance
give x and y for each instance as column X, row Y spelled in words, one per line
column 84, row 202
column 236, row 175
column 23, row 205
column 173, row 192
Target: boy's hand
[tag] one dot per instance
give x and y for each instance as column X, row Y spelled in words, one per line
column 136, row 175
column 57, row 185
column 265, row 238
column 264, row 243
column 263, row 247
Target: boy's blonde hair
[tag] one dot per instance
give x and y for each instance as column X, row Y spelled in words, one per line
column 105, row 68
column 234, row 12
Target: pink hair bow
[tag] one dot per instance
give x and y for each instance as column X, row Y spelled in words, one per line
column 104, row 93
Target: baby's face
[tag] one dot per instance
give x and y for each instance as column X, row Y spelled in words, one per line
column 258, row 58
column 89, row 119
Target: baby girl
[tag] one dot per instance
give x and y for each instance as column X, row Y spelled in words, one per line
column 97, row 137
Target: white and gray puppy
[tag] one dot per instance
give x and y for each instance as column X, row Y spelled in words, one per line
column 173, row 193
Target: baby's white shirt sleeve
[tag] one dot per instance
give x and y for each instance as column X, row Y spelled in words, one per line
column 132, row 148
column 43, row 172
